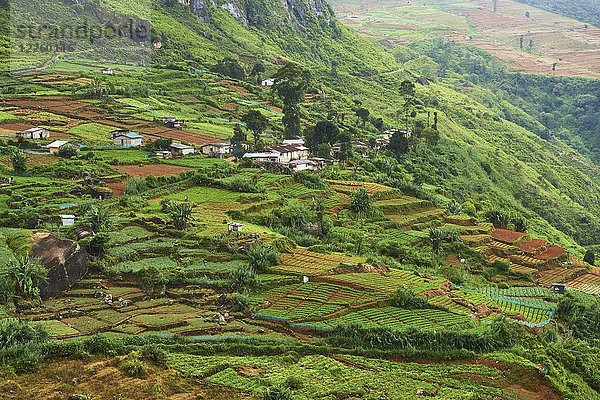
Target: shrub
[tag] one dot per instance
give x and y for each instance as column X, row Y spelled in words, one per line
column 278, row 393
column 243, row 279
column 245, row 186
column 134, row 367
column 263, row 257
column 408, row 299
column 361, row 201
column 155, row 354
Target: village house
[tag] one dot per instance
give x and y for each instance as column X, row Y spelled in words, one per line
column 173, row 123
column 272, row 157
column 216, row 149
column 291, row 152
column 34, row 134
column 303, row 165
column 299, row 142
column 55, row 146
column 128, row 139
column 234, row 227
column 179, row 149
column 67, row 220
column 267, row 83
column 107, row 71
column 163, row 154
column 281, row 154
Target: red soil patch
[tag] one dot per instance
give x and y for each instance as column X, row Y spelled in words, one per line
column 533, row 246
column 506, row 236
column 117, row 188
column 552, row 252
column 141, row 171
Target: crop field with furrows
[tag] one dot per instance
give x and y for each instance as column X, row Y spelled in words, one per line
column 551, row 253
column 322, row 293
column 554, row 38
column 387, row 282
column 558, row 275
column 84, row 311
column 588, row 283
column 399, row 319
column 351, row 186
column 336, row 375
column 306, row 262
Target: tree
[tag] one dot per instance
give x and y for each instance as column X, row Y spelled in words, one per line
column 407, row 88
column 399, row 143
column 324, row 132
column 181, row 214
column 590, row 257
column 25, row 275
column 256, row 122
column 438, row 237
column 361, row 201
column 18, row 159
column 231, row 68
column 98, row 219
column 237, row 141
column 291, row 83
column 68, row 151
column 154, row 281
column 363, row 114
column 257, row 70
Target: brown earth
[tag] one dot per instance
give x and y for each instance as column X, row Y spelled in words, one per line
column 102, row 379
column 141, row 171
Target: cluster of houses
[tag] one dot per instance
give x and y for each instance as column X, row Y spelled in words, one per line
column 291, row 154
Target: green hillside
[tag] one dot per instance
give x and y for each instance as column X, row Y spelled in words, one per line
column 430, row 268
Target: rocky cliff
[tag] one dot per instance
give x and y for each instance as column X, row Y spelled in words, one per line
column 267, row 13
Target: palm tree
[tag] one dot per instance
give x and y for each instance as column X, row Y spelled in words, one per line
column 25, row 276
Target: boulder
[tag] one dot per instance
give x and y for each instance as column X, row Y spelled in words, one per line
column 65, row 260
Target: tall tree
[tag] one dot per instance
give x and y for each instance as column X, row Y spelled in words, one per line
column 291, row 83
column 363, row 114
column 255, row 122
column 323, row 132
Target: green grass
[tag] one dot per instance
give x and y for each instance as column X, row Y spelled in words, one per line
column 92, row 133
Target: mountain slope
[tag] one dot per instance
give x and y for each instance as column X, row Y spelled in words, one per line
column 488, row 156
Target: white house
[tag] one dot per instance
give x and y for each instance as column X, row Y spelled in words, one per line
column 303, row 165
column 163, row 154
column 107, row 71
column 55, row 146
column 291, row 152
column 34, row 134
column 216, row 149
column 179, row 149
column 263, row 157
column 127, row 139
column 67, row 220
column 234, row 227
column 267, row 83
column 299, row 142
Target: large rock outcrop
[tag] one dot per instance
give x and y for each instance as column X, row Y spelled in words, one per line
column 271, row 14
column 65, row 260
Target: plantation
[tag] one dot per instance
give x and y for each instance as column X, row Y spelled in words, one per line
column 413, row 251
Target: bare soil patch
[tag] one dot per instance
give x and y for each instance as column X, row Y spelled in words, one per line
column 141, row 171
